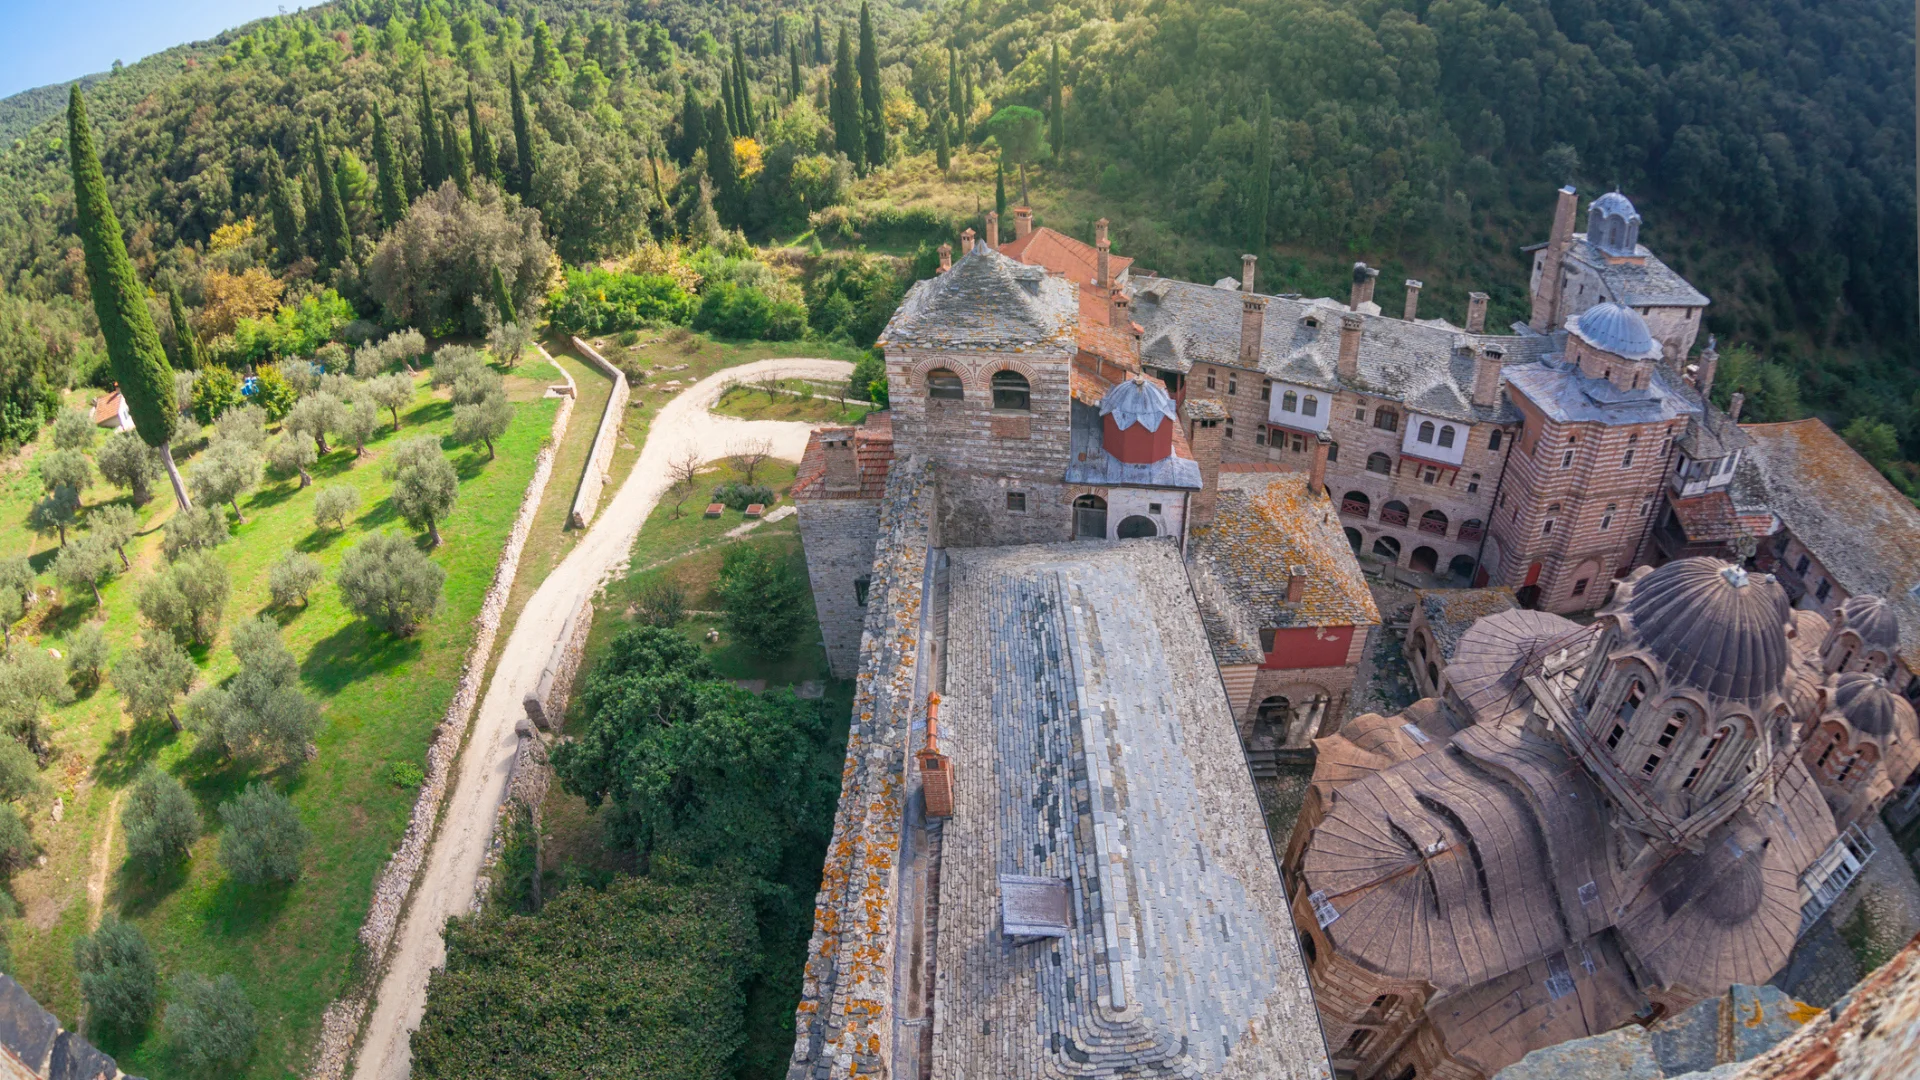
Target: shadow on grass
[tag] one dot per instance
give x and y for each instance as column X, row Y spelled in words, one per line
column 67, row 617
column 129, row 749
column 470, row 466
column 41, row 560
column 355, row 651
column 432, row 412
column 383, row 513
column 268, row 498
column 331, row 464
column 236, row 910
column 137, row 891
column 319, row 539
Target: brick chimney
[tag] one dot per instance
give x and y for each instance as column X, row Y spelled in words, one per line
column 1119, row 311
column 1546, row 298
column 993, row 229
column 1253, row 319
column 1317, row 477
column 1709, row 360
column 1486, row 377
column 1476, row 313
column 1733, row 406
column 1022, row 222
column 1204, row 417
column 966, row 242
column 1296, row 582
column 1414, row 285
column 946, row 257
column 1363, row 276
column 843, row 467
column 1102, row 255
column 936, row 769
column 1350, row 327
column 1247, row 265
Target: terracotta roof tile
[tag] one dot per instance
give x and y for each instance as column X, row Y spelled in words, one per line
column 873, row 451
column 1076, row 259
column 1707, row 517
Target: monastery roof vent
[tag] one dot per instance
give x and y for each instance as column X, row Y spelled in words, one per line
column 1137, row 421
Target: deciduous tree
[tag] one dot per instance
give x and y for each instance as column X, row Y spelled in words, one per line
column 161, row 821
column 210, row 1023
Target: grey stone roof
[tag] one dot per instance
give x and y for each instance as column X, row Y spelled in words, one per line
column 1615, row 329
column 1711, row 434
column 986, row 301
column 1089, row 463
column 1426, row 364
column 1450, row 613
column 32, row 1036
column 1566, row 395
column 1646, row 282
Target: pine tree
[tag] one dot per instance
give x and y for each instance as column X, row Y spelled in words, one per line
column 502, row 299
column 433, row 159
column 872, row 108
column 485, row 164
column 843, row 105
column 1261, row 197
column 1000, row 187
column 819, row 40
column 522, row 137
column 457, row 169
column 1057, row 127
column 186, row 347
column 693, row 124
column 119, row 301
column 393, row 200
column 720, row 164
column 546, row 62
column 285, row 216
column 942, row 154
column 333, row 241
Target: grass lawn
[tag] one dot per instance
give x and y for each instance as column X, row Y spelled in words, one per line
column 292, row 947
column 789, row 399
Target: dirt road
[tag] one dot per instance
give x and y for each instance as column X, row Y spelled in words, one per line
column 453, row 866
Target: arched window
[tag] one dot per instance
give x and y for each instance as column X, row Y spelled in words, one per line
column 1011, row 392
column 1387, row 548
column 1435, row 522
column 1446, row 436
column 1136, row 527
column 1706, row 756
column 1089, row 518
column 1289, row 402
column 1379, row 463
column 1623, row 716
column 1333, row 448
column 1426, row 431
column 1386, row 419
column 1566, row 459
column 1310, row 406
column 1356, row 503
column 1493, row 441
column 1394, row 513
column 944, row 385
column 1606, row 519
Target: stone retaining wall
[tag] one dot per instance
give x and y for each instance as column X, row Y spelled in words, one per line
column 340, row 1025
column 546, row 703
column 844, row 1023
column 600, row 460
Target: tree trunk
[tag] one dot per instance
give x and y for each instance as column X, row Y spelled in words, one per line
column 63, row 535
column 238, row 517
column 321, row 442
column 121, row 551
column 433, row 532
column 396, row 418
column 173, row 476
column 174, row 720
column 304, row 478
column 98, row 600
column 489, row 449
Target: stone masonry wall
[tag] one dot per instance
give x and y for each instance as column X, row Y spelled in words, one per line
column 839, row 536
column 600, row 459
column 844, row 1022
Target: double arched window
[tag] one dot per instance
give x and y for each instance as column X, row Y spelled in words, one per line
column 1011, row 392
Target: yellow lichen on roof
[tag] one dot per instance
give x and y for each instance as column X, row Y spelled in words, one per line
column 1267, row 524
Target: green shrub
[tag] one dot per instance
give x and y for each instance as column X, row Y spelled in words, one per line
column 404, row 774
column 599, row 301
column 16, row 844
column 119, row 980
column 764, row 599
column 739, row 496
column 211, row 1023
column 215, row 390
column 744, row 312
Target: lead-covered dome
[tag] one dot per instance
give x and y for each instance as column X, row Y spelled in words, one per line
column 1139, row 400
column 1613, row 225
column 1873, row 619
column 1714, row 626
column 1616, row 205
column 1617, row 330
column 1867, row 702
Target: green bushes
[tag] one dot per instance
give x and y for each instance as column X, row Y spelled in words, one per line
column 294, row 330
column 850, row 296
column 742, row 311
column 603, row 301
column 764, row 599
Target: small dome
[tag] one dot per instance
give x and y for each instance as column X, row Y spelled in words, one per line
column 1724, row 881
column 1873, row 619
column 1617, row 330
column 1714, row 626
column 1867, row 702
column 1139, row 400
column 1614, row 204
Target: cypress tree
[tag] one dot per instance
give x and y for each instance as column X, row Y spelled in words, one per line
column 343, row 186
column 966, row 92
column 433, row 159
column 133, row 344
column 522, row 136
column 186, row 345
column 819, row 40
column 660, row 195
column 485, row 163
column 954, row 104
column 457, row 170
column 942, row 154
column 309, row 214
column 843, row 105
column 729, row 104
column 720, row 164
column 793, row 70
column 693, row 124
column 503, row 299
column 743, row 86
column 1057, row 127
column 286, row 217
column 333, row 243
column 410, row 172
column 1000, row 187
column 1261, row 196
column 393, row 201
column 872, row 109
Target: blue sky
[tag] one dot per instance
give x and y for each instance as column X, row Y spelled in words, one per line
column 52, row 41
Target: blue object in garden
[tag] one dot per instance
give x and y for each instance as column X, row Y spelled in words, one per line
column 247, row 388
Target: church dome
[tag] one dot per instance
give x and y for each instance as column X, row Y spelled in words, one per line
column 1867, row 702
column 1714, row 626
column 1139, row 400
column 1613, row 225
column 1873, row 619
column 1617, row 330
column 1614, row 204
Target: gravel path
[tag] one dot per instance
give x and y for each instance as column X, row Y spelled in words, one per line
column 453, row 867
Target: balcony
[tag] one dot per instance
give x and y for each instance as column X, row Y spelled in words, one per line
column 1352, row 508
column 1471, row 533
column 1391, row 516
column 1437, row 528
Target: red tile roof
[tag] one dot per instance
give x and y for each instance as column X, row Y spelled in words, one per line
column 1706, row 518
column 1063, row 254
column 107, row 409
column 872, row 449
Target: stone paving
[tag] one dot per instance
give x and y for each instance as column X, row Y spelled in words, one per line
column 1092, row 743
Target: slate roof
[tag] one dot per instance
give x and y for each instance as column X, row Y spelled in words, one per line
column 1644, row 281
column 1565, row 395
column 1707, row 518
column 1089, row 463
column 872, row 452
column 1712, row 434
column 1427, row 364
column 32, row 1036
column 1855, row 522
column 1267, row 522
column 1056, row 251
column 1450, row 613
column 986, row 301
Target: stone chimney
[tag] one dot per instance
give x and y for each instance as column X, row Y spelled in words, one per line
column 1296, row 583
column 1709, row 360
column 1317, row 477
column 1204, row 417
column 843, row 466
column 1476, row 313
column 1253, row 318
column 1733, row 406
column 993, row 229
column 1247, row 265
column 1350, row 327
column 1363, row 276
column 1414, row 285
column 1486, row 377
column 946, row 257
column 1102, row 255
column 966, row 242
column 1546, row 298
column 1022, row 222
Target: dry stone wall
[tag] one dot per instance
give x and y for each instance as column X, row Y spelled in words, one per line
column 600, row 459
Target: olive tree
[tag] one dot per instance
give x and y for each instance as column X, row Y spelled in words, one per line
column 160, row 820
column 210, row 1023
column 73, row 430
column 424, row 484
column 293, row 577
column 119, row 980
column 86, row 562
column 316, row 414
column 87, row 654
column 261, row 714
column 128, row 463
column 262, row 836
column 16, row 593
column 294, row 452
column 187, row 598
column 387, row 580
column 392, row 393
column 202, row 528
column 152, row 677
column 359, row 419
column 228, row 471
column 116, row 526
column 483, row 421
column 436, row 266
column 333, row 506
